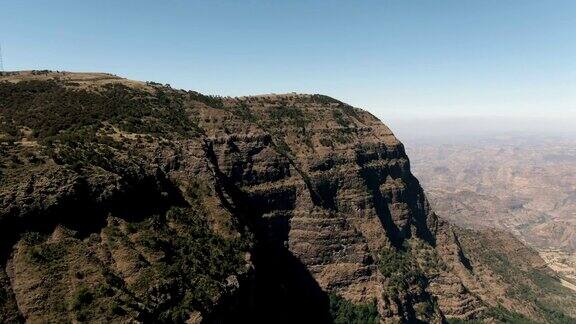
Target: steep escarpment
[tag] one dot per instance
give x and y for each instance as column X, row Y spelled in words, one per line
column 122, row 200
column 329, row 186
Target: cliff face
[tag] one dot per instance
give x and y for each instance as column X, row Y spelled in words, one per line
column 124, row 200
column 328, row 188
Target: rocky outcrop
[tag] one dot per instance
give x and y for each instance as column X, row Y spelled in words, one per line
column 155, row 204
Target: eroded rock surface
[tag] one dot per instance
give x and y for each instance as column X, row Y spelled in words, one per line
column 122, row 200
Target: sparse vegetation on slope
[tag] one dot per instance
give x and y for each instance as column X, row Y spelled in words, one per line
column 124, row 201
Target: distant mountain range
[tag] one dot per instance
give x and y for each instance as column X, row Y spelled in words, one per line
column 525, row 185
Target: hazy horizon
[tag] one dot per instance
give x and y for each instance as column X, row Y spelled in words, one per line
column 453, row 130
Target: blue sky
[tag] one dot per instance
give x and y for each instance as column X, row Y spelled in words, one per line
column 396, row 58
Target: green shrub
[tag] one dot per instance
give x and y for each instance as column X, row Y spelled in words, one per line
column 46, row 253
column 211, row 101
column 81, row 298
column 344, row 311
column 400, row 269
column 340, row 118
column 116, row 309
column 325, row 100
